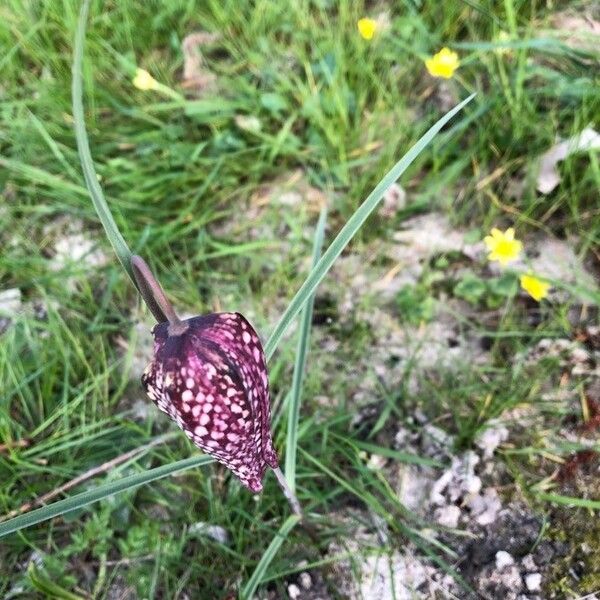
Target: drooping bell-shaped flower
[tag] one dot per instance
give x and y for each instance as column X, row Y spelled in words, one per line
column 209, row 375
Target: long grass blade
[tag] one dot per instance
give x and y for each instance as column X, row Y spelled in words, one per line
column 300, row 364
column 256, row 578
column 350, row 228
column 99, row 493
column 570, row 501
column 83, row 147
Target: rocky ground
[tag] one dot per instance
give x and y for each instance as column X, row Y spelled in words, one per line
column 501, row 543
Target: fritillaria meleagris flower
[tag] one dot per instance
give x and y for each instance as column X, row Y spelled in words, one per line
column 209, row 375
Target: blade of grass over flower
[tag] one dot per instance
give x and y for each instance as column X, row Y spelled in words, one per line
column 112, row 231
column 263, row 564
column 350, row 229
column 300, row 365
column 99, row 493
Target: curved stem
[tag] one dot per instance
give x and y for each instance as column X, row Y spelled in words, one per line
column 291, row 497
column 155, row 297
column 83, row 148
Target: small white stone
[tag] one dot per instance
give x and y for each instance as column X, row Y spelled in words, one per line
column 305, row 580
column 485, row 507
column 293, row 591
column 510, row 578
column 528, row 563
column 533, row 581
column 491, row 438
column 10, row 302
column 503, row 559
column 394, row 200
column 472, row 484
column 216, row 532
column 447, row 516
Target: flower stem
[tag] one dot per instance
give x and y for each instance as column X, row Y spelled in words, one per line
column 83, row 147
column 155, row 297
column 287, row 492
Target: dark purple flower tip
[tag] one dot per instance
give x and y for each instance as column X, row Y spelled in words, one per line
column 211, row 379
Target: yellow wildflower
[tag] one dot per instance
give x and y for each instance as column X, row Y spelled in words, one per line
column 443, row 64
column 144, row 81
column 367, row 28
column 502, row 246
column 535, row 287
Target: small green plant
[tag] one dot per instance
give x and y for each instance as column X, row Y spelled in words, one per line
column 492, row 292
column 415, row 304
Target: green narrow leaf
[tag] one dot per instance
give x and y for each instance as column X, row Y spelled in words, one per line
column 83, row 147
column 99, row 493
column 350, row 228
column 42, row 583
column 256, row 578
column 300, row 364
column 570, row 501
column 405, row 457
column 43, row 177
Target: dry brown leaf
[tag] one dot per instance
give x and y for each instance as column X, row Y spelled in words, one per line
column 195, row 74
column 548, row 177
column 394, row 200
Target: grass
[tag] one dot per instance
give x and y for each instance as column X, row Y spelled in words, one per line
column 180, row 179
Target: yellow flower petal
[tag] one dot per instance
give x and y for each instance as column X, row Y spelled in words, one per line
column 367, row 28
column 144, row 81
column 535, row 287
column 443, row 64
column 502, row 246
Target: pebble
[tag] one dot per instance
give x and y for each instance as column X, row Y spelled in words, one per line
column 490, row 439
column 528, row 563
column 394, row 200
column 447, row 516
column 511, row 578
column 216, row 532
column 293, row 591
column 503, row 559
column 438, row 436
column 533, row 581
column 305, row 580
column 10, row 302
column 485, row 507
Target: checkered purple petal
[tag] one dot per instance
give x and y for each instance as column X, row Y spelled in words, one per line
column 212, row 381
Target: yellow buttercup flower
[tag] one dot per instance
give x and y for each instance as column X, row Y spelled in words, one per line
column 144, row 81
column 367, row 28
column 535, row 287
column 443, row 64
column 502, row 246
